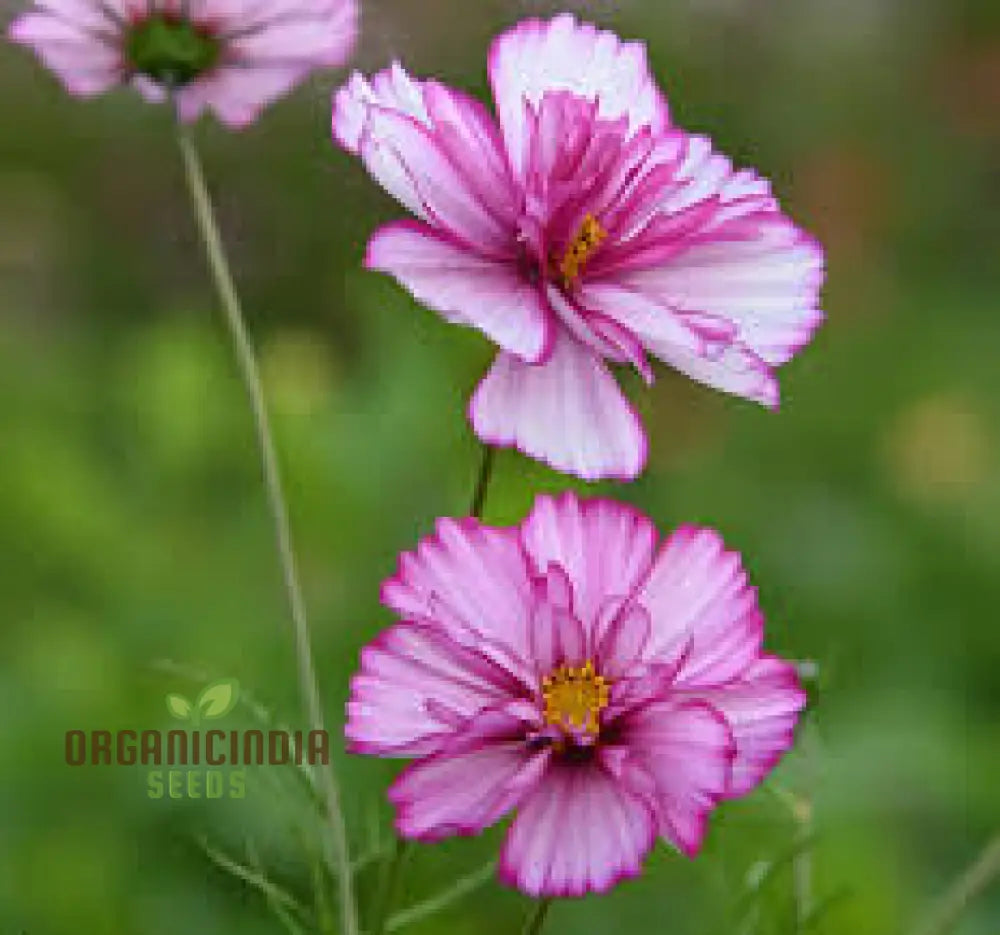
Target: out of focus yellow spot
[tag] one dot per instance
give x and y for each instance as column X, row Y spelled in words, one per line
column 32, row 224
column 938, row 451
column 297, row 371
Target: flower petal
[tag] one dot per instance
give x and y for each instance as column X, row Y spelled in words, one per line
column 392, row 89
column 237, row 95
column 556, row 636
column 659, row 329
column 86, row 14
column 698, row 593
column 478, row 574
column 416, row 687
column 704, row 240
column 466, row 288
column 467, row 133
column 435, row 151
column 732, row 368
column 762, row 709
column 85, row 62
column 623, row 641
column 565, row 55
column 605, row 547
column 471, row 783
column 687, row 749
column 766, row 284
column 642, row 685
column 578, row 832
column 313, row 33
column 568, row 412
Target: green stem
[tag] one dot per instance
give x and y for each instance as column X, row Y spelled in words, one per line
column 389, row 885
column 537, row 918
column 974, row 881
column 802, row 812
column 483, row 481
column 336, row 849
column 423, row 910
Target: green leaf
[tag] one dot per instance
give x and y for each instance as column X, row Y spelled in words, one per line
column 179, row 707
column 764, row 879
column 429, row 907
column 291, row 913
column 811, row 921
column 218, row 699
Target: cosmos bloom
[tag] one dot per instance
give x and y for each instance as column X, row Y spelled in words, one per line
column 608, row 688
column 233, row 57
column 578, row 229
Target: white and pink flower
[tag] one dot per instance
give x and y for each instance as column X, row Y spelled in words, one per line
column 610, row 689
column 233, row 57
column 580, row 228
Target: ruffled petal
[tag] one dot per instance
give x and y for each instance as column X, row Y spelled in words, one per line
column 556, row 636
column 473, row 579
column 562, row 54
column 417, row 687
column 473, row 781
column 687, row 750
column 660, row 330
column 732, row 368
column 706, row 242
column 697, row 593
column 643, row 685
column 605, row 547
column 568, row 412
column 762, row 709
column 392, row 89
column 580, row 831
column 436, row 151
column 766, row 284
column 623, row 640
column 466, row 288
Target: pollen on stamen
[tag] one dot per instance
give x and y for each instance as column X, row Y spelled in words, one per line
column 581, row 248
column 574, row 698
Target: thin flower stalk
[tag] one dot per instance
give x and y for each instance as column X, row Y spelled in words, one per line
column 336, row 845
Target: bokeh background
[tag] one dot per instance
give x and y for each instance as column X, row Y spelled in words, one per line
column 132, row 526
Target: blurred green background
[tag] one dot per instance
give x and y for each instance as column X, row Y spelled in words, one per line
column 132, row 525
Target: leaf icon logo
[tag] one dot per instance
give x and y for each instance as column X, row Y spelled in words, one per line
column 179, row 707
column 215, row 701
column 218, row 699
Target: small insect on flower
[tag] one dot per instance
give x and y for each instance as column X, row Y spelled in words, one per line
column 607, row 688
column 580, row 228
column 233, row 57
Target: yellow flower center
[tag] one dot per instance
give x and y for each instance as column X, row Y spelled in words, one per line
column 581, row 248
column 575, row 697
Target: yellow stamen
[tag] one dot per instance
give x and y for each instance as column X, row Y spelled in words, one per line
column 581, row 248
column 575, row 697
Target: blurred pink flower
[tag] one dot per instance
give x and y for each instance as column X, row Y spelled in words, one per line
column 583, row 229
column 231, row 56
column 610, row 689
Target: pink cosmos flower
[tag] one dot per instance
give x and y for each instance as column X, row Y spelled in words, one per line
column 609, row 689
column 580, row 229
column 231, row 56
